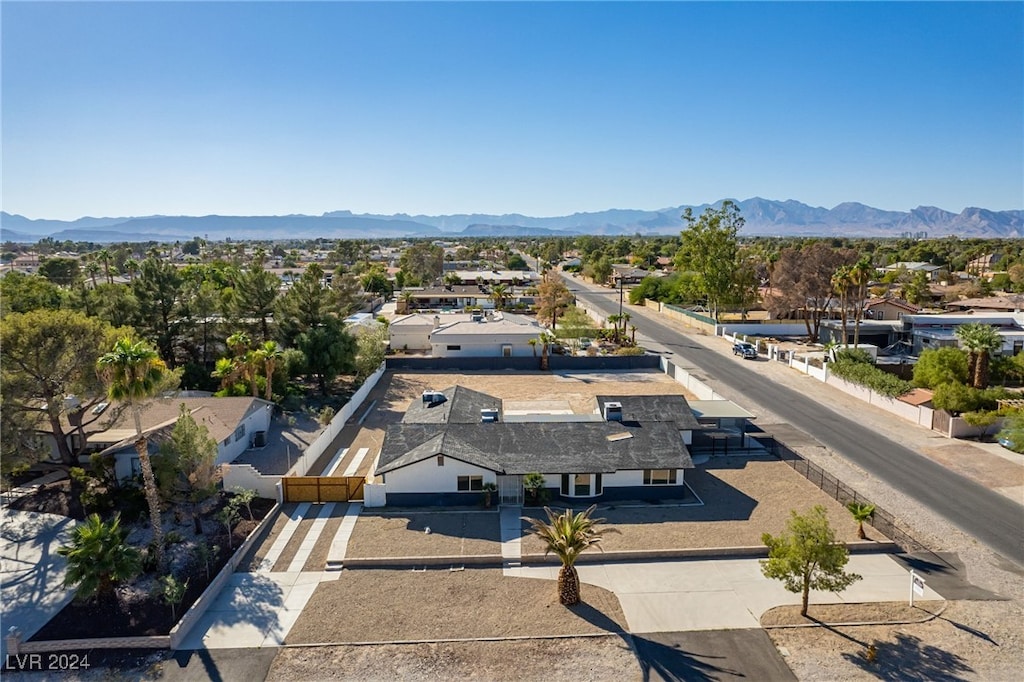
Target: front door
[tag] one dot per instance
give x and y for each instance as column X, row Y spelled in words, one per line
column 510, row 490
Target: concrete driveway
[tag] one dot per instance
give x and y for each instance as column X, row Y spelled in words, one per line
column 31, row 572
column 722, row 594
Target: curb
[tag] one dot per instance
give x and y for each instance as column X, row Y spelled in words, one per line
column 930, row 617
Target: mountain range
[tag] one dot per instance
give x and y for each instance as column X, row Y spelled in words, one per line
column 763, row 217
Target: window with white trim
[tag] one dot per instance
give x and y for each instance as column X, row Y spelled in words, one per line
column 470, row 483
column 659, row 476
column 582, row 485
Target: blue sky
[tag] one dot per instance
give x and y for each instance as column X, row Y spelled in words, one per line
column 192, row 108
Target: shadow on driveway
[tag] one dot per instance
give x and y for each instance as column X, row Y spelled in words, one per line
column 705, row 655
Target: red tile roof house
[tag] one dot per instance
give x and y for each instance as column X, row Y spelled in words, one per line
column 235, row 423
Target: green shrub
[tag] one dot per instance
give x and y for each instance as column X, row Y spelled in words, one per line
column 852, row 368
column 629, row 350
column 959, row 398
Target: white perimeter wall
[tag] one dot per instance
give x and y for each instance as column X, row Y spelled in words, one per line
column 411, row 337
column 489, row 346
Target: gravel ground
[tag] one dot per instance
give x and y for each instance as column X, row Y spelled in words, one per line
column 377, row 606
column 388, row 534
column 743, row 498
column 970, row 641
column 584, row 659
column 873, row 612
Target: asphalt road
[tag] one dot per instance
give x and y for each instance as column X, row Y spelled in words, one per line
column 706, row 655
column 986, row 515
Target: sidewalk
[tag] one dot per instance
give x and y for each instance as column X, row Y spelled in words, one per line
column 722, row 594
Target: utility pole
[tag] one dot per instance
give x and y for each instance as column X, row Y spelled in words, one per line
column 621, row 281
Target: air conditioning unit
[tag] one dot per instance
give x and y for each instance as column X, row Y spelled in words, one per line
column 613, row 412
column 488, row 415
column 433, row 397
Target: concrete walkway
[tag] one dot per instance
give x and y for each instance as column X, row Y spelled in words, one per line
column 256, row 610
column 722, row 594
column 31, row 572
column 511, row 538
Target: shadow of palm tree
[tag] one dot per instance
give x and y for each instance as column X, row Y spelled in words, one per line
column 660, row 661
column 596, row 617
column 908, row 659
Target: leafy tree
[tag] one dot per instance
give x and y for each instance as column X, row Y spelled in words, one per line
column 99, row 558
column 711, row 249
column 803, row 281
column 46, row 355
column 568, row 535
column 377, row 282
column 61, row 271
column 157, row 289
column 807, row 557
column 188, row 465
column 980, row 340
column 937, row 366
column 134, row 374
column 553, row 297
column 959, row 398
column 600, row 270
column 861, row 512
column 371, row 347
column 21, row 293
column 516, row 262
column 984, row 420
column 422, row 262
column 329, row 349
column 1013, row 430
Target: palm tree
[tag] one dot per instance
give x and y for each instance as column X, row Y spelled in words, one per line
column 134, row 373
column 92, row 268
column 841, row 285
column 130, row 267
column 99, row 558
column 614, row 320
column 625, row 318
column 227, row 371
column 861, row 275
column 533, row 345
column 499, row 293
column 861, row 512
column 568, row 535
column 980, row 340
column 104, row 256
column 269, row 354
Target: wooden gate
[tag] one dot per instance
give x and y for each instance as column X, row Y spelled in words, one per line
column 322, row 488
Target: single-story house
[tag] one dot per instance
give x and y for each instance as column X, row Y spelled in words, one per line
column 485, row 335
column 454, row 441
column 412, row 332
column 237, row 424
column 923, row 332
column 931, row 271
column 1008, row 304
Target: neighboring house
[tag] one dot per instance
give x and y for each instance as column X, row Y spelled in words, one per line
column 452, row 442
column 983, row 265
column 888, row 308
column 881, row 333
column 237, row 424
column 412, row 332
column 497, row 335
column 932, row 271
column 1013, row 303
column 457, row 296
column 628, row 275
column 923, row 332
column 524, row 278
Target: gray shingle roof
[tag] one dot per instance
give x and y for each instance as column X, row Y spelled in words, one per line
column 545, row 447
column 653, row 408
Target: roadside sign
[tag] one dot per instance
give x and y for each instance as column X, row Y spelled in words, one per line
column 916, row 586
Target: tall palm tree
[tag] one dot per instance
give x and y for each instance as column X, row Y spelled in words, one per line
column 980, row 340
column 841, row 284
column 568, row 535
column 269, row 354
column 104, row 256
column 134, row 373
column 130, row 267
column 92, row 268
column 861, row 274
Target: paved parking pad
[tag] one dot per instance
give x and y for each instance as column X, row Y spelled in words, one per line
column 719, row 594
column 710, row 655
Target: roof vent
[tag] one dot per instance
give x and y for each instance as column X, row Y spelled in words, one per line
column 99, row 408
column 489, row 415
column 613, row 412
column 433, row 397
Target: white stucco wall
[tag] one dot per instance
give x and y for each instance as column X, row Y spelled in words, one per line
column 257, row 420
column 410, row 336
column 427, row 477
column 479, row 346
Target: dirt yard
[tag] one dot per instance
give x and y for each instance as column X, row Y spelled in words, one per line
column 971, row 640
column 743, row 498
column 390, row 606
column 401, row 534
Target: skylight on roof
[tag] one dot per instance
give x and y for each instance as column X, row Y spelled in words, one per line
column 618, row 436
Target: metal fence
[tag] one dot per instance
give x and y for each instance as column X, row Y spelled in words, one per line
column 882, row 521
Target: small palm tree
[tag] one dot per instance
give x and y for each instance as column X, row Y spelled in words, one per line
column 269, row 354
column 861, row 512
column 842, row 284
column 499, row 294
column 980, row 340
column 98, row 558
column 135, row 373
column 568, row 535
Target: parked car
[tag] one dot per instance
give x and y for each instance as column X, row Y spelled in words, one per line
column 585, row 342
column 745, row 350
